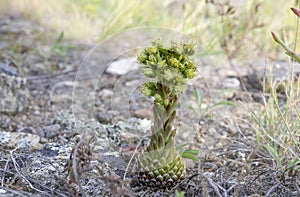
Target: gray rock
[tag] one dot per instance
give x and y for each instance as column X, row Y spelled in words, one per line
column 20, row 140
column 133, row 83
column 122, row 66
column 4, row 68
column 232, row 83
column 104, row 117
column 106, row 94
column 14, row 95
column 50, row 131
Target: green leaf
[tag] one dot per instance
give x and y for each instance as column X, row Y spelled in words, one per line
column 274, row 154
column 199, row 97
column 293, row 163
column 190, row 154
column 228, row 103
column 58, row 40
column 180, row 147
column 288, row 50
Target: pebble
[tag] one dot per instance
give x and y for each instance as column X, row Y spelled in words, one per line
column 20, row 140
column 145, row 124
column 50, row 131
column 122, row 66
column 232, row 83
column 134, row 82
column 14, row 94
column 106, row 94
column 104, row 117
column 4, row 68
column 142, row 113
column 232, row 130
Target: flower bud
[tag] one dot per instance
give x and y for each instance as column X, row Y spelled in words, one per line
column 152, row 58
column 168, row 75
column 148, row 89
column 179, row 88
column 188, row 49
column 174, row 62
column 152, row 50
column 142, row 58
column 158, row 98
column 162, row 64
column 148, row 72
column 189, row 73
column 166, row 102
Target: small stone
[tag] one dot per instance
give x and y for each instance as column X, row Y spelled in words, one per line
column 7, row 69
column 27, row 130
column 131, row 83
column 19, row 139
column 232, row 83
column 142, row 113
column 127, row 138
column 145, row 124
column 106, row 94
column 123, row 66
column 14, row 94
column 232, row 130
column 50, row 131
column 104, row 117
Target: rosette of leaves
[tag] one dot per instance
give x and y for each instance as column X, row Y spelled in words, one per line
column 169, row 68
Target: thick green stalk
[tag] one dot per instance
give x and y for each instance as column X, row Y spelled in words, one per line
column 164, row 116
column 160, row 164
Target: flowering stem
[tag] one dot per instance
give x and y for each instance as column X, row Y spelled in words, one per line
column 164, row 116
column 170, row 69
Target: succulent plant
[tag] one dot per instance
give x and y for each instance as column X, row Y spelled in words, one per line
column 169, row 68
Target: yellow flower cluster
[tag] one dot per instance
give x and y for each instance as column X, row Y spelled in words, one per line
column 168, row 66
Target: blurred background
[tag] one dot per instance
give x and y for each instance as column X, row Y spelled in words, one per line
column 234, row 28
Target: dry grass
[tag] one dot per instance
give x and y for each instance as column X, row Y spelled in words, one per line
column 95, row 20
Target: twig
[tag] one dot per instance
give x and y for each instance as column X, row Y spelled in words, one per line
column 233, row 186
column 18, row 193
column 272, row 189
column 143, row 194
column 35, row 182
column 127, row 167
column 22, row 176
column 221, row 188
column 3, row 175
column 207, row 175
column 297, row 193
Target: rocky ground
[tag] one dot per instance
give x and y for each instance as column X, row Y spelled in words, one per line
column 70, row 128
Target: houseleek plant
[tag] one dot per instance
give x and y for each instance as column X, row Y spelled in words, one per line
column 168, row 70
